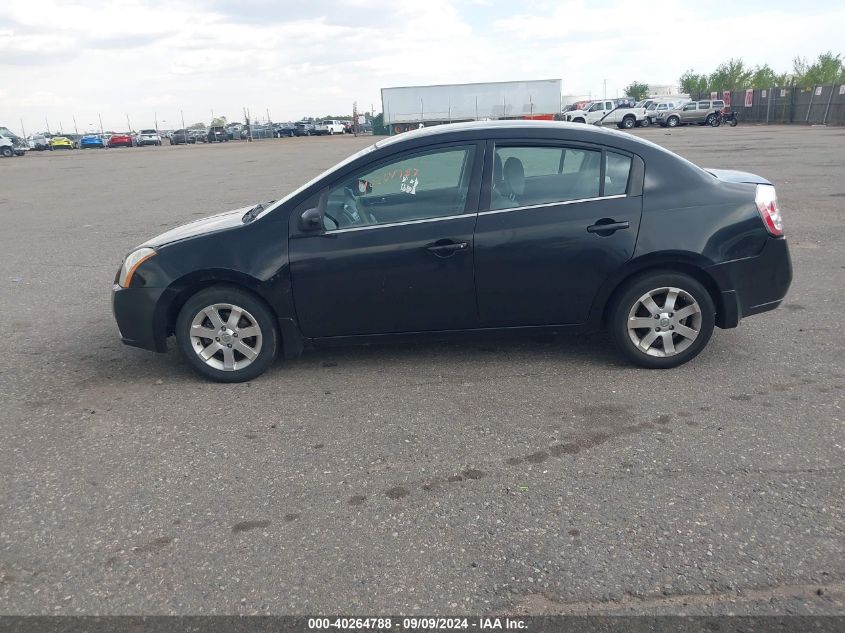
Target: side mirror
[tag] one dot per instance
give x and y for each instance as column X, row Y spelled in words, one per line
column 311, row 220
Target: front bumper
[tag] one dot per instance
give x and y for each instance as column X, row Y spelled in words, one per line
column 140, row 317
column 754, row 284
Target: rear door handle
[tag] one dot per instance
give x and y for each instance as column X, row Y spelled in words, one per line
column 607, row 227
column 446, row 250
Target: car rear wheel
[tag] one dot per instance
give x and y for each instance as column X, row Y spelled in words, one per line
column 227, row 334
column 662, row 319
column 645, row 122
column 628, row 122
column 673, row 121
column 7, row 152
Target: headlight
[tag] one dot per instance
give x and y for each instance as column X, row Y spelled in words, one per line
column 131, row 263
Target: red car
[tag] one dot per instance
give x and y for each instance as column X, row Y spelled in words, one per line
column 121, row 140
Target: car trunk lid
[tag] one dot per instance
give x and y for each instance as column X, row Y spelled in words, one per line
column 731, row 175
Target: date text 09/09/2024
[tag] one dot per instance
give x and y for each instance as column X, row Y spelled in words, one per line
column 417, row 623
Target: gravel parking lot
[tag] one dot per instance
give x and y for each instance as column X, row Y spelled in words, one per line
column 520, row 476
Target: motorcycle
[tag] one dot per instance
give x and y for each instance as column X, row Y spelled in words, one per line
column 723, row 117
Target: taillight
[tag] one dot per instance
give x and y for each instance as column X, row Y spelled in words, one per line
column 767, row 205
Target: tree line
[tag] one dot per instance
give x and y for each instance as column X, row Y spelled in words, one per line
column 733, row 74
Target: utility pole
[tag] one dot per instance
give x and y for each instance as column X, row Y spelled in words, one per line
column 605, row 90
column 101, row 123
column 128, row 125
column 23, row 129
column 268, row 115
column 155, row 116
column 48, row 125
column 182, row 115
column 75, row 129
column 355, row 119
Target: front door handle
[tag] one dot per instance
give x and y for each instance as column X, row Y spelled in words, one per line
column 606, row 226
column 447, row 249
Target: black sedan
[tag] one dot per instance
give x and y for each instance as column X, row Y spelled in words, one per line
column 504, row 227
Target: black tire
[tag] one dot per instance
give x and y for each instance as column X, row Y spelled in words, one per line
column 628, row 122
column 713, row 121
column 645, row 122
column 732, row 122
column 263, row 317
column 628, row 299
column 8, row 152
column 673, row 121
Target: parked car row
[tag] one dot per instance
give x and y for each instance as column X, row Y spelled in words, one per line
column 664, row 111
column 214, row 134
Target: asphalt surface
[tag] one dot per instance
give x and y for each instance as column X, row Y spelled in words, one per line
column 516, row 476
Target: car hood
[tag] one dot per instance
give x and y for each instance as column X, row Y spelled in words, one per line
column 203, row 226
column 731, row 175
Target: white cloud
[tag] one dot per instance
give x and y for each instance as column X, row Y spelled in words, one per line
column 159, row 57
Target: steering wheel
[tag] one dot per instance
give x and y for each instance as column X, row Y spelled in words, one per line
column 352, row 210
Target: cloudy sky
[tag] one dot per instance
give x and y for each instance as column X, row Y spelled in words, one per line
column 155, row 58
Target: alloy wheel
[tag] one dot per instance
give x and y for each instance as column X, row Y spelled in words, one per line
column 664, row 322
column 225, row 337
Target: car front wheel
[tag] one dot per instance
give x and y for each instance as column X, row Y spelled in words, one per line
column 227, row 334
column 662, row 319
column 673, row 121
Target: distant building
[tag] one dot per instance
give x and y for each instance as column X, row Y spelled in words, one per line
column 410, row 107
column 664, row 90
column 566, row 100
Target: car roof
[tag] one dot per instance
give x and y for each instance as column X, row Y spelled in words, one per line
column 501, row 126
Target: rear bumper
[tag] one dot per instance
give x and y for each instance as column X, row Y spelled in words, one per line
column 139, row 317
column 754, row 284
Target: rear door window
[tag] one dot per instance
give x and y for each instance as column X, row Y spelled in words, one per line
column 535, row 175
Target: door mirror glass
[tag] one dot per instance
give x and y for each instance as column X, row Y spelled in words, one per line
column 311, row 220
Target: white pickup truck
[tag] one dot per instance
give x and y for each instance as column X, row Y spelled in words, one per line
column 329, row 126
column 606, row 111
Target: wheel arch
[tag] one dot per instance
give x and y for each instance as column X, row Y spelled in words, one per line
column 183, row 288
column 689, row 263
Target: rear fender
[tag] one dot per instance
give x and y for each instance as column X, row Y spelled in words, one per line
column 686, row 262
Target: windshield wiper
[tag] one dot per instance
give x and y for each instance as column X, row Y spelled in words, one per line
column 250, row 215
